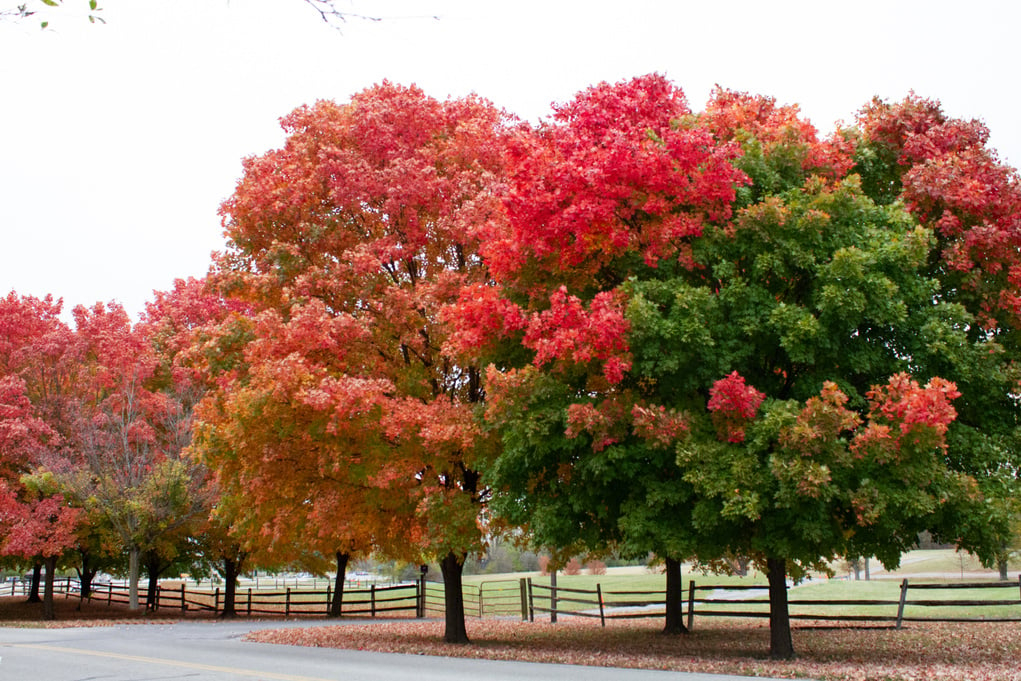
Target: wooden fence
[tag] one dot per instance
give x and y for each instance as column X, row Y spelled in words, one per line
column 373, row 601
column 526, row 597
column 605, row 605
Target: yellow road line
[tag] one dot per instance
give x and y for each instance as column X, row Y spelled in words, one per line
column 169, row 663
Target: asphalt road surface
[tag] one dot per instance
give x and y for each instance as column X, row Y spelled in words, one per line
column 214, row 651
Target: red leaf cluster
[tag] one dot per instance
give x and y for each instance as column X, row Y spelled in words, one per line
column 569, row 332
column 733, row 403
column 957, row 186
column 735, row 116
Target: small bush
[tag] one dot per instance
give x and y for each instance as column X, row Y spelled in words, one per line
column 573, row 567
column 596, row 567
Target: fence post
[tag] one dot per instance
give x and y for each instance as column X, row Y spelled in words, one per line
column 159, row 595
column 691, row 603
column 184, row 603
column 481, row 608
column 287, row 603
column 524, row 599
column 250, row 600
column 531, row 601
column 109, row 594
column 421, row 597
column 216, row 601
column 599, row 595
column 372, row 598
column 553, row 597
column 329, row 593
column 903, row 599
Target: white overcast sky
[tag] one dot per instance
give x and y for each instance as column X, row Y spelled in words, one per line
column 118, row 142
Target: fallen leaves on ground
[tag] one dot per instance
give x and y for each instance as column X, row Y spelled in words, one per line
column 15, row 611
column 970, row 652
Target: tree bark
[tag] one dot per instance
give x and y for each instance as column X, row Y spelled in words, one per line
column 1001, row 564
column 133, row 560
column 453, row 600
column 33, row 590
column 231, row 570
column 49, row 612
column 674, row 598
column 86, row 573
column 337, row 604
column 154, row 567
column 781, row 646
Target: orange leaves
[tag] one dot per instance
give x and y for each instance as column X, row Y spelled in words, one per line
column 921, row 414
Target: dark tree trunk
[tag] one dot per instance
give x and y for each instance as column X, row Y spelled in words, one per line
column 453, row 600
column 231, row 570
column 86, row 573
column 33, row 590
column 337, row 604
column 674, row 598
column 154, row 567
column 49, row 613
column 1002, row 565
column 781, row 646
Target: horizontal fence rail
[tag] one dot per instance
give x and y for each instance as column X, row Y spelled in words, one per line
column 719, row 602
column 526, row 597
column 290, row 602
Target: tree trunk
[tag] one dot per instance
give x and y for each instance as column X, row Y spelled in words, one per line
column 49, row 613
column 86, row 573
column 867, row 576
column 33, row 590
column 154, row 567
column 453, row 600
column 1002, row 565
column 337, row 604
column 231, row 570
column 781, row 646
column 133, row 560
column 674, row 598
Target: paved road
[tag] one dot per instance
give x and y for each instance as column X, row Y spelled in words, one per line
column 214, row 651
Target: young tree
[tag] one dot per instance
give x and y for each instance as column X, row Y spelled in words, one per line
column 130, row 434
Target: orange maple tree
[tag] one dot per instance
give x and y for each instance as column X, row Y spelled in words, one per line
column 347, row 242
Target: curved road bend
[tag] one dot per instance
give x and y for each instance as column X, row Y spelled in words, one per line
column 214, row 651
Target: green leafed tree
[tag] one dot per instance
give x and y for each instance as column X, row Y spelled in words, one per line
column 654, row 259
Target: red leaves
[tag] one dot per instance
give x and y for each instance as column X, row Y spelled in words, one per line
column 480, row 316
column 613, row 172
column 974, row 651
column 921, row 415
column 736, row 115
column 569, row 332
column 960, row 189
column 733, row 404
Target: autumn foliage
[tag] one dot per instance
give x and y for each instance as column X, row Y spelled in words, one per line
column 633, row 327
